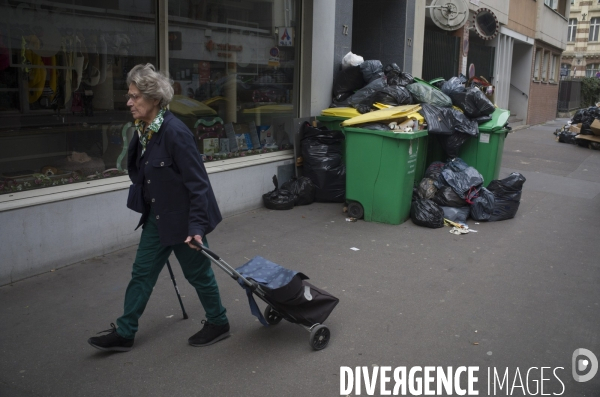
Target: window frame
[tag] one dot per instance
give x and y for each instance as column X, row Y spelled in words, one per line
column 537, row 64
column 594, row 29
column 572, row 30
column 545, row 66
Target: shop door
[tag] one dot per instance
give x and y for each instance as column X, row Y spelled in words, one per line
column 440, row 55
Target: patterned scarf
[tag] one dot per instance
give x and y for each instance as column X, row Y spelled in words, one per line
column 145, row 133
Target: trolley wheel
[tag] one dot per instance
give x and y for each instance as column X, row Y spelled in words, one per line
column 272, row 316
column 355, row 210
column 319, row 337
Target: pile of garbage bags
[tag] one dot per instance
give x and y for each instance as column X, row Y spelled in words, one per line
column 583, row 129
column 454, row 191
column 452, row 109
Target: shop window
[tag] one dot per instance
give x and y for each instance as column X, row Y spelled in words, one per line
column 233, row 66
column 537, row 64
column 63, row 66
column 572, row 29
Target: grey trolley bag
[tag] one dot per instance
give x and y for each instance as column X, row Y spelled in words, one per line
column 286, row 292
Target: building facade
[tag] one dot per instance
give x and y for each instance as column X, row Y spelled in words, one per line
column 582, row 57
column 521, row 60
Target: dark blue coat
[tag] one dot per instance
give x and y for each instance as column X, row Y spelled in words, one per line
column 175, row 182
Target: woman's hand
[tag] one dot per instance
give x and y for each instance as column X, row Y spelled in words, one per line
column 197, row 238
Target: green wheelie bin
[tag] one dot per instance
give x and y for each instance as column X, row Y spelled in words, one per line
column 484, row 152
column 380, row 173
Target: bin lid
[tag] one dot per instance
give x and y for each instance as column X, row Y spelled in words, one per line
column 345, row 113
column 392, row 113
column 499, row 119
column 387, row 134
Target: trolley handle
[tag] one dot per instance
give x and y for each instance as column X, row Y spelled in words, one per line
column 203, row 248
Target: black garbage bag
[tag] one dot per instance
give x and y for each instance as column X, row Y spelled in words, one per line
column 279, row 199
column 445, row 121
column 456, row 214
column 363, row 96
column 566, row 136
column 451, row 144
column 578, row 116
column 426, row 213
column 322, row 162
column 346, row 82
column 424, row 93
column 303, row 188
column 434, row 170
column 426, row 189
column 473, row 102
column 446, row 197
column 394, row 95
column 482, row 119
column 457, row 165
column 454, row 85
column 462, row 182
column 395, row 75
column 507, row 186
column 507, row 194
column 371, row 70
column 483, row 205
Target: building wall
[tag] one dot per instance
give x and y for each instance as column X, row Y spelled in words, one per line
column 543, row 96
column 522, row 17
column 551, row 26
column 40, row 238
column 582, row 53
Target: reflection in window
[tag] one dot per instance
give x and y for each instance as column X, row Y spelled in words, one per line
column 63, row 64
column 233, row 64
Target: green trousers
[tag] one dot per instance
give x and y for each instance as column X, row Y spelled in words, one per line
column 150, row 259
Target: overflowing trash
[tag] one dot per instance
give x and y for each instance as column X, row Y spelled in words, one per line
column 451, row 193
column 322, row 162
column 583, row 129
column 451, row 111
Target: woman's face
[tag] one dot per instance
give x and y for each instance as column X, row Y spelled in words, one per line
column 141, row 107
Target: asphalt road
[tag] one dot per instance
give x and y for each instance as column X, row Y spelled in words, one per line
column 510, row 303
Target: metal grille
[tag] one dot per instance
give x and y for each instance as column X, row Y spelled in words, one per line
column 440, row 55
column 569, row 95
column 483, row 58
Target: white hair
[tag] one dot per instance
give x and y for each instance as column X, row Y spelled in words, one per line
column 152, row 84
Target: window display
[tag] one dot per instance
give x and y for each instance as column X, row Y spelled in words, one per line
column 63, row 115
column 63, row 64
column 233, row 65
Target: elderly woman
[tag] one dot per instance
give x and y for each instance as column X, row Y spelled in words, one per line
column 177, row 205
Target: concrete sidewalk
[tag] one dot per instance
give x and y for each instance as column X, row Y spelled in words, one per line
column 517, row 294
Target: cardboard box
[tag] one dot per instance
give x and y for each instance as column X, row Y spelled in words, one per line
column 591, row 138
column 595, row 127
column 575, row 128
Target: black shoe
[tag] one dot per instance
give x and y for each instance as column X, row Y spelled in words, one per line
column 113, row 342
column 209, row 334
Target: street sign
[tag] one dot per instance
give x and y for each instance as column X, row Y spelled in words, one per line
column 564, row 71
